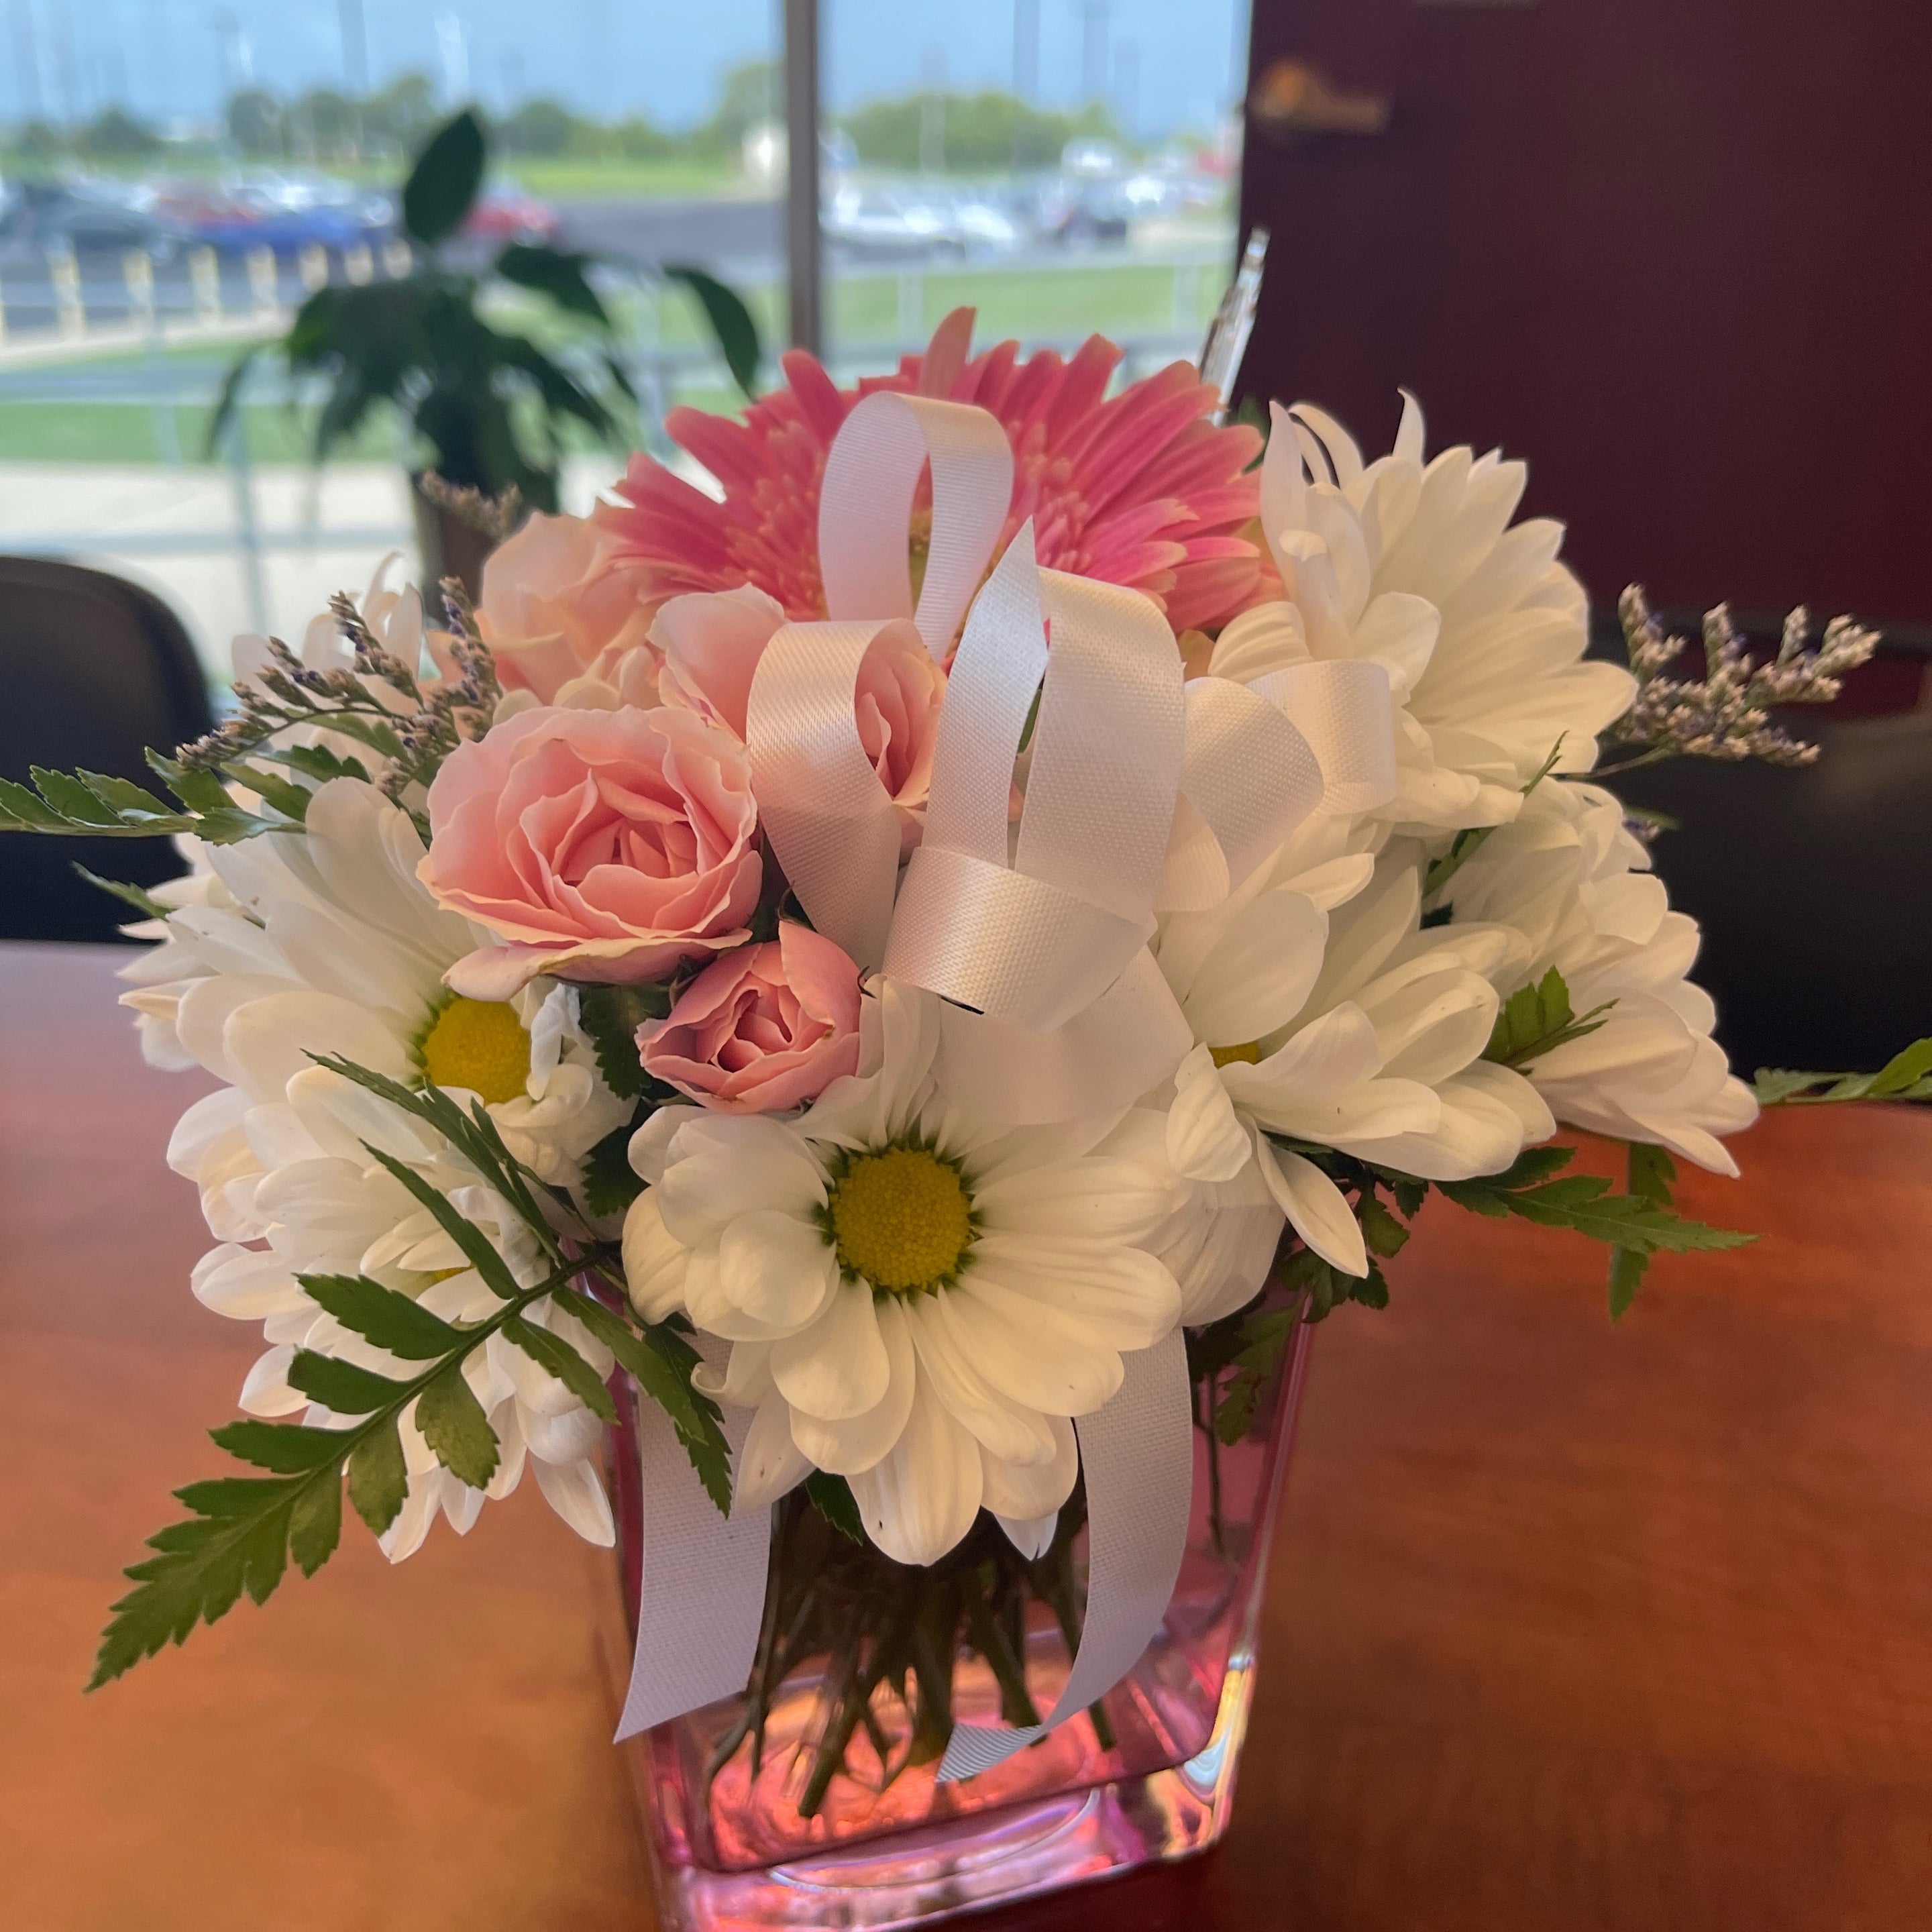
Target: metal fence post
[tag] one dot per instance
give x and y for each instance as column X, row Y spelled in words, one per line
column 397, row 258
column 358, row 264
column 137, row 271
column 313, row 262
column 205, row 273
column 261, row 283
column 64, row 271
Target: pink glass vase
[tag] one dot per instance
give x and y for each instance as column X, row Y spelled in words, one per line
column 880, row 1843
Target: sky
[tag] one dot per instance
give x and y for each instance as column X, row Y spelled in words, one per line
column 1165, row 64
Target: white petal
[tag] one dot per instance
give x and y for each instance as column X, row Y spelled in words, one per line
column 1031, row 1490
column 1034, row 1355
column 1316, row 1207
column 918, row 1501
column 573, row 1490
column 1123, row 1296
column 838, row 1367
column 846, row 1445
column 266, row 1391
column 1033, row 1538
column 777, row 1268
column 1205, row 1138
column 771, row 1464
column 654, row 1264
column 1015, row 1434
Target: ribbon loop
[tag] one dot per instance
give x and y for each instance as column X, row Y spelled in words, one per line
column 831, row 823
column 1033, row 943
column 865, row 509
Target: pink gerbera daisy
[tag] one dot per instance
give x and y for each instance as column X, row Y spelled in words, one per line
column 1141, row 489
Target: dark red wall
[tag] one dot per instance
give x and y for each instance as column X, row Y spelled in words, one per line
column 1676, row 253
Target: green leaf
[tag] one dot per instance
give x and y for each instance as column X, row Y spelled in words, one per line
column 443, row 186
column 1535, row 1020
column 660, row 1362
column 730, row 321
column 554, row 273
column 389, row 1319
column 290, row 800
column 558, row 1359
column 611, row 1016
column 1628, row 1267
column 143, row 902
column 316, row 761
column 476, row 1244
column 1903, row 1072
column 610, row 1183
column 223, row 415
column 453, row 1424
column 89, row 804
column 1651, row 1170
column 340, row 1386
column 288, row 1448
column 232, row 1496
column 832, row 1496
column 315, row 1525
column 379, row 1477
column 1381, row 1231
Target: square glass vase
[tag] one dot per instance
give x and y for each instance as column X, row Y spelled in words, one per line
column 812, row 1800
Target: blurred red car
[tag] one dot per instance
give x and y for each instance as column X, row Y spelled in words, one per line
column 504, row 212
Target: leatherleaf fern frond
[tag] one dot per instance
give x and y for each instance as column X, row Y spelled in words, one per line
column 242, row 1532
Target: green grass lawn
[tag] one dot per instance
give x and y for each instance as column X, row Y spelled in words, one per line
column 866, row 309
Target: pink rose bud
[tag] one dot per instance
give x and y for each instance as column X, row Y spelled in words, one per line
column 555, row 606
column 599, row 845
column 711, row 641
column 763, row 1029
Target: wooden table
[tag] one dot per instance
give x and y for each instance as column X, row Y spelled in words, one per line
column 1570, row 1628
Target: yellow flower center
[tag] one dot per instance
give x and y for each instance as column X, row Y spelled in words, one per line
column 902, row 1219
column 1248, row 1053
column 479, row 1044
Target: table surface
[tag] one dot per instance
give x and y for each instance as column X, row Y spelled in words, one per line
column 1569, row 1627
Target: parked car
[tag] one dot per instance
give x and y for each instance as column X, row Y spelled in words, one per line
column 907, row 222
column 86, row 220
column 504, row 212
column 287, row 213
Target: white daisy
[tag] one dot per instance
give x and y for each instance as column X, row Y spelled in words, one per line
column 292, row 945
column 341, row 1212
column 1417, row 566
column 1354, row 1030
column 916, row 1301
column 1569, row 877
column 325, row 942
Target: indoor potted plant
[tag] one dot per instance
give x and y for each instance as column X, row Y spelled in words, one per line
column 485, row 404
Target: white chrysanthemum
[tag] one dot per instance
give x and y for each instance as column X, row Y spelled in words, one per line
column 1366, row 1039
column 915, row 1300
column 1417, row 566
column 325, row 942
column 1568, row 876
column 292, row 945
column 339, row 1212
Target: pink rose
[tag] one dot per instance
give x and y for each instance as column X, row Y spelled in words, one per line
column 602, row 845
column 711, row 641
column 554, row 607
column 761, row 1030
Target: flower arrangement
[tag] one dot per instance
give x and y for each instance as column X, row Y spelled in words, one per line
column 906, row 986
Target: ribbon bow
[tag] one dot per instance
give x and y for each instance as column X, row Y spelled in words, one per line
column 1143, row 794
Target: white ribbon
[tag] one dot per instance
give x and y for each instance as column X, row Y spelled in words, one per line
column 1138, row 1455
column 1141, row 794
column 703, row 1596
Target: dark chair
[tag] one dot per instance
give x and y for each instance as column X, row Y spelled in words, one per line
column 94, row 671
column 1814, row 889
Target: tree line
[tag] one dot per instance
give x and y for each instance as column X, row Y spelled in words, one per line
column 977, row 132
